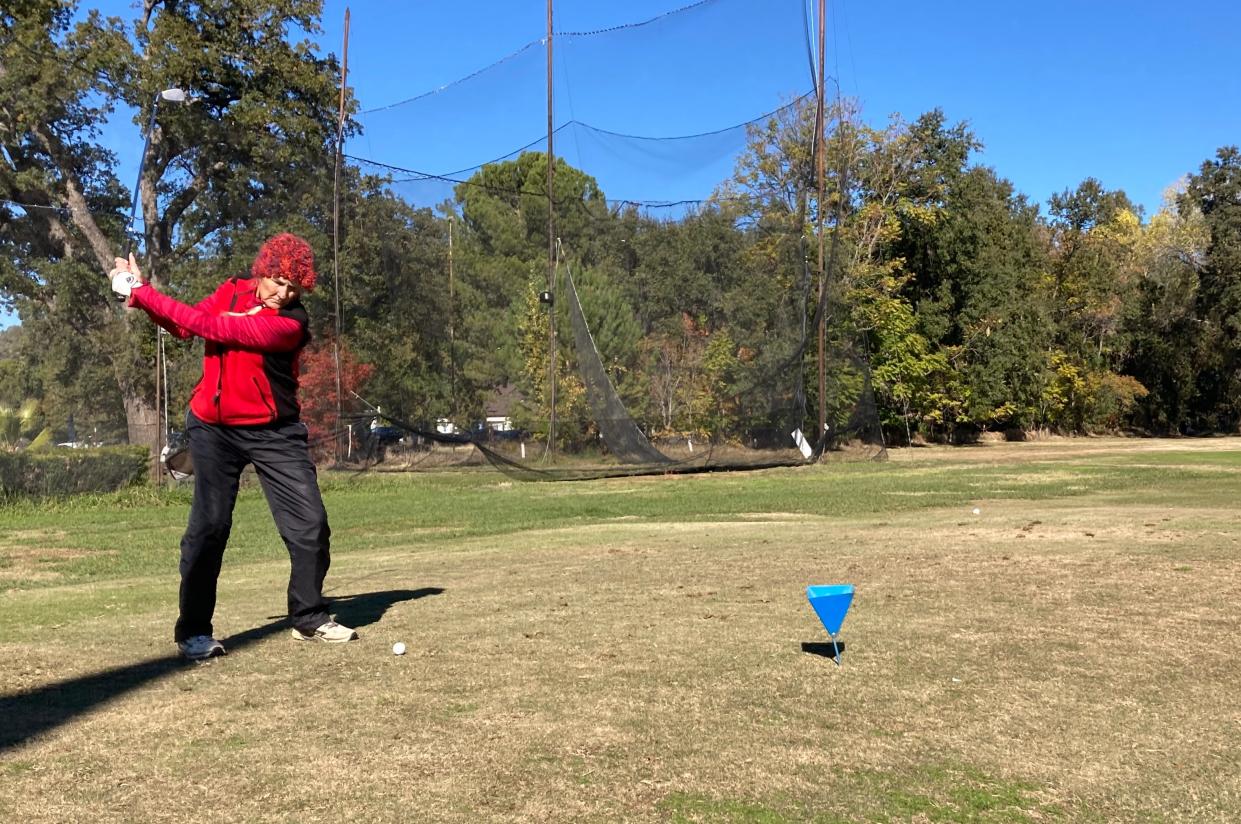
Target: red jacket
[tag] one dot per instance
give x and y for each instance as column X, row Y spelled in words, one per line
column 250, row 365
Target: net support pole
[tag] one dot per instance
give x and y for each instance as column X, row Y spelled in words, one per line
column 820, row 172
column 340, row 136
column 551, row 249
column 452, row 309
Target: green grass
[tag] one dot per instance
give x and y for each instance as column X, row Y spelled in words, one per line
column 136, row 533
column 956, row 794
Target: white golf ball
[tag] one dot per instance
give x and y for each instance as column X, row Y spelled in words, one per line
column 398, row 648
column 977, row 511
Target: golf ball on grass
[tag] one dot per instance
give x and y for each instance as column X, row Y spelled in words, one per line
column 977, row 511
column 398, row 648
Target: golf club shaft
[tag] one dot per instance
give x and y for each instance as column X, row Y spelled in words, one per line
column 133, row 207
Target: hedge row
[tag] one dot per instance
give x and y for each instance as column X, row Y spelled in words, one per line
column 60, row 472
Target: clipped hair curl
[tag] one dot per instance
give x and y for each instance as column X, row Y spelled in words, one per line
column 286, row 256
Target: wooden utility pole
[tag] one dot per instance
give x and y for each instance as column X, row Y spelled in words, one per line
column 340, row 137
column 820, row 130
column 551, row 246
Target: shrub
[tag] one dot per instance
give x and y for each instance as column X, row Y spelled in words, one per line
column 59, row 472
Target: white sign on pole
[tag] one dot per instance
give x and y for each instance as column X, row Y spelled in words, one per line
column 802, row 444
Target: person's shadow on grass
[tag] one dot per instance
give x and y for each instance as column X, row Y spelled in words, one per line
column 25, row 715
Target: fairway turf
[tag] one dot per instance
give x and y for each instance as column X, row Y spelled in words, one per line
column 632, row 649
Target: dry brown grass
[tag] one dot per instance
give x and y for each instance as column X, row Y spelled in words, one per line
column 1078, row 655
column 27, row 553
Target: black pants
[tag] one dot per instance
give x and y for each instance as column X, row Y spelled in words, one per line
column 283, row 464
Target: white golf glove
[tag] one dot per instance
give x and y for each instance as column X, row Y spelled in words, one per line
column 123, row 282
column 125, row 277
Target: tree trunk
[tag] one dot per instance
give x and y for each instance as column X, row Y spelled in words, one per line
column 142, row 419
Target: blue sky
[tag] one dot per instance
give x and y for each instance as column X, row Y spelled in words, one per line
column 1134, row 93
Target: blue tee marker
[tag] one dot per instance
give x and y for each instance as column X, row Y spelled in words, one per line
column 830, row 603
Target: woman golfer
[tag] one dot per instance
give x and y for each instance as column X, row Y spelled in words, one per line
column 244, row 410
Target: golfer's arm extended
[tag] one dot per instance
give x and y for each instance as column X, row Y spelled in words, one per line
column 173, row 329
column 264, row 333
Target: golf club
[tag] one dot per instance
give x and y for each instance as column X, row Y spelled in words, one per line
column 173, row 95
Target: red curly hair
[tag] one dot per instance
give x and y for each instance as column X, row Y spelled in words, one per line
column 286, row 256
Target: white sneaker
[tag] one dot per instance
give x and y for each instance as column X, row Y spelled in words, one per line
column 199, row 647
column 331, row 633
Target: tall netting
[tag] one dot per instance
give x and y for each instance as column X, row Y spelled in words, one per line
column 675, row 329
column 718, row 64
column 624, row 439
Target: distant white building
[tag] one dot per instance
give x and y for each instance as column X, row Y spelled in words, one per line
column 499, row 423
column 498, row 409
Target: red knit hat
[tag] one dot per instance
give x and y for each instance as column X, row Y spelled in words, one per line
column 286, row 256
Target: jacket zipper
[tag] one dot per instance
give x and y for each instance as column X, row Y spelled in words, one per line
column 219, row 387
column 219, row 383
column 263, row 398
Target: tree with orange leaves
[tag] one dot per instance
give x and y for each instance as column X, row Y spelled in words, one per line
column 318, row 390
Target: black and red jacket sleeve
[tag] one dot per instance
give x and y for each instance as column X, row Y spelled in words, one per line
column 258, row 333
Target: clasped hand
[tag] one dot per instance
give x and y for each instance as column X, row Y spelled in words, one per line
column 125, row 276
